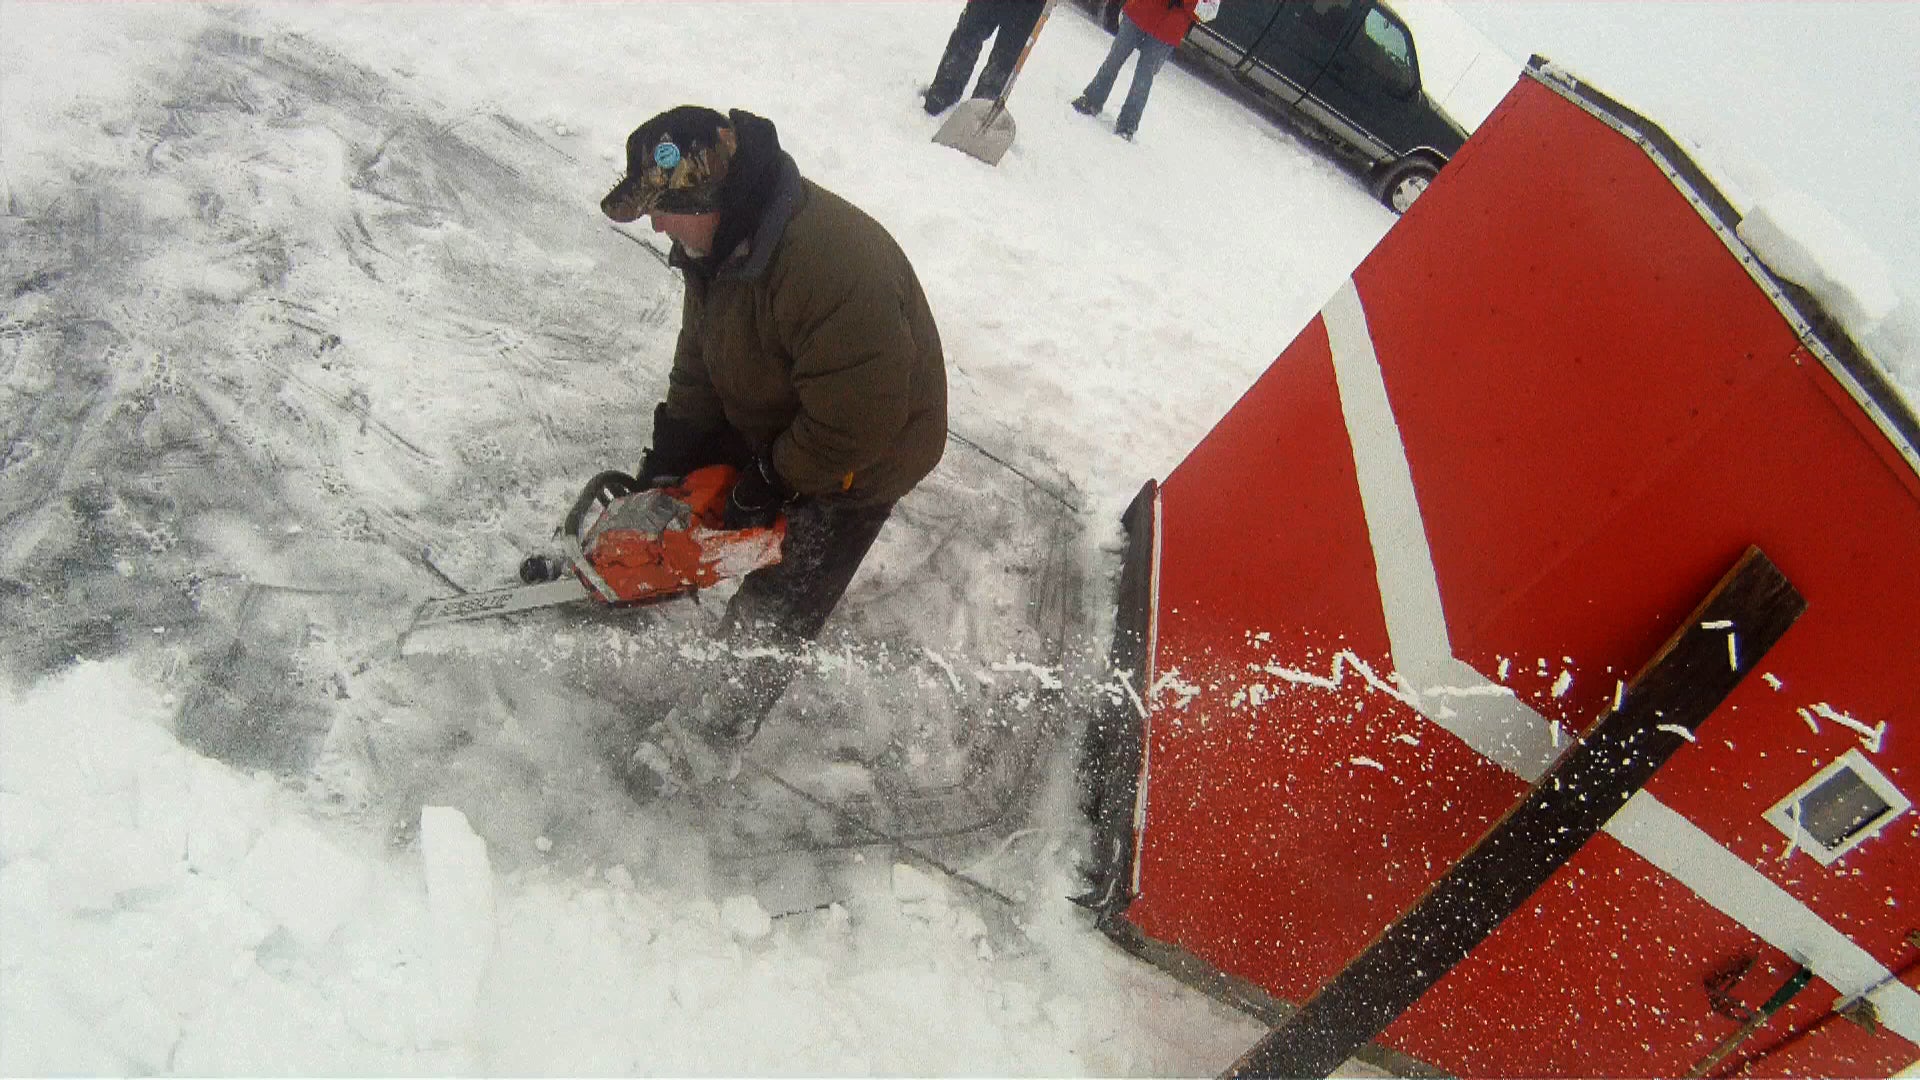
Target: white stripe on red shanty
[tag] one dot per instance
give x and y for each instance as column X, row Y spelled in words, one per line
column 1506, row 731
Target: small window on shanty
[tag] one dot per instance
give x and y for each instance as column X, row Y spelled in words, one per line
column 1840, row 808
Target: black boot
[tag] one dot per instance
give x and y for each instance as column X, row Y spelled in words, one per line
column 950, row 80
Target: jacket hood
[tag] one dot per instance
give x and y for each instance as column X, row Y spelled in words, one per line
column 753, row 178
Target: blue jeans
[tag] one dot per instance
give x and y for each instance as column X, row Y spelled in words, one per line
column 1153, row 53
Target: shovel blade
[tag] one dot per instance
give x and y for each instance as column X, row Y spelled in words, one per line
column 980, row 127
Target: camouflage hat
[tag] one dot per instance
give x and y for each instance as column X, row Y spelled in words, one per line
column 676, row 163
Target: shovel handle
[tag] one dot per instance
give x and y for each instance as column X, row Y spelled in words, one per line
column 1033, row 35
column 1795, row 983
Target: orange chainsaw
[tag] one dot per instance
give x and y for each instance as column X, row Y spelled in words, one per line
column 643, row 545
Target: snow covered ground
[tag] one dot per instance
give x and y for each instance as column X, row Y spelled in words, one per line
column 310, row 310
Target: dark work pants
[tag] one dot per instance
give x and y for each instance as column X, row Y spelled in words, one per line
column 1008, row 22
column 785, row 605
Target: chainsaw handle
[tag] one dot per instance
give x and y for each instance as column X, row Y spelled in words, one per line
column 602, row 489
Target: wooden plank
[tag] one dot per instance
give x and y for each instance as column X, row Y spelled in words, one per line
column 1666, row 702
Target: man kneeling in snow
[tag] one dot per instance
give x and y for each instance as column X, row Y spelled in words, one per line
column 808, row 358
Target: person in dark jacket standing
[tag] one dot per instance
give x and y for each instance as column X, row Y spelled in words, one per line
column 1154, row 28
column 808, row 358
column 1009, row 23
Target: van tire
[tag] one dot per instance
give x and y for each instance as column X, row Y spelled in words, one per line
column 1403, row 182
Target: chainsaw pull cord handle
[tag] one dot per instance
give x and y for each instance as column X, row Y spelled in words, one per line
column 601, row 490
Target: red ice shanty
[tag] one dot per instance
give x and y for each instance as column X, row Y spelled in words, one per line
column 1520, row 673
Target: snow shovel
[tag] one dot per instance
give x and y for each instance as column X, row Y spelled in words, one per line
column 985, row 128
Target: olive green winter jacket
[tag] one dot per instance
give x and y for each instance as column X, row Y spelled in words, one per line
column 815, row 342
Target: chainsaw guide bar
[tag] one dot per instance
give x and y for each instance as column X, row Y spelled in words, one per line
column 645, row 545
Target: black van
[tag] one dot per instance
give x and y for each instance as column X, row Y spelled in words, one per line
column 1346, row 67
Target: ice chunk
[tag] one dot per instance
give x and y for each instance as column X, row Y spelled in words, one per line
column 744, row 918
column 105, row 862
column 301, row 880
column 26, row 893
column 1800, row 241
column 911, row 885
column 25, row 825
column 92, row 730
column 460, row 905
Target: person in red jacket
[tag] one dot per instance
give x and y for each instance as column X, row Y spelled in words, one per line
column 1154, row 28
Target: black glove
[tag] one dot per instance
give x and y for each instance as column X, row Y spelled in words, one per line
column 757, row 497
column 654, row 472
column 1172, row 4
